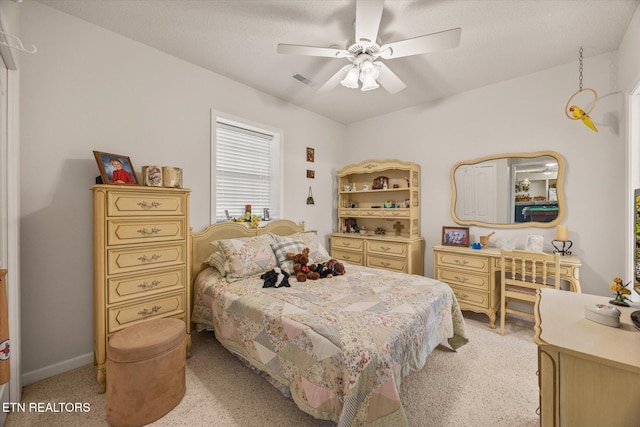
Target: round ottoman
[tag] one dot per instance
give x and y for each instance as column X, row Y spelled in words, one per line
column 145, row 371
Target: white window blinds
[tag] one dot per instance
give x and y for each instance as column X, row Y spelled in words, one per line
column 245, row 161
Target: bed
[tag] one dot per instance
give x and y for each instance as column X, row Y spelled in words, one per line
column 338, row 346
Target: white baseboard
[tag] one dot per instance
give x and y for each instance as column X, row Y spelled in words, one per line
column 58, row 368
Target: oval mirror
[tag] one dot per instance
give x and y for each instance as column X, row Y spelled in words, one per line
column 509, row 190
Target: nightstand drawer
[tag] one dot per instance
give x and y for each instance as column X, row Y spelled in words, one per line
column 477, row 281
column 467, row 262
column 123, row 316
column 136, row 259
column 139, row 204
column 129, row 287
column 352, row 257
column 467, row 297
column 387, row 263
column 387, row 248
column 122, row 232
column 346, row 243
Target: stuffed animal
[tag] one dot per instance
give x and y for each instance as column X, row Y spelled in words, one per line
column 301, row 270
column 275, row 278
column 336, row 266
column 324, row 271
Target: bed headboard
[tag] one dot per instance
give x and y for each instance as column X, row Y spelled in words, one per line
column 201, row 242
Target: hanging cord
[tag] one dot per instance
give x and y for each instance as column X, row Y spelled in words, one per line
column 580, row 71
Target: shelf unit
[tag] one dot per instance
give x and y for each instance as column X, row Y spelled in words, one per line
column 392, row 209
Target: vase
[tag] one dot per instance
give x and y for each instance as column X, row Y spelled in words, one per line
column 619, row 300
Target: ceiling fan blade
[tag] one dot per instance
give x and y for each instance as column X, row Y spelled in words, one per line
column 294, row 49
column 389, row 80
column 422, row 44
column 335, row 79
column 368, row 15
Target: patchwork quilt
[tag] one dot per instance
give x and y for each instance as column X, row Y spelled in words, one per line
column 341, row 345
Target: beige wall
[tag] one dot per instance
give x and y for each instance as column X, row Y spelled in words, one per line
column 89, row 89
column 521, row 115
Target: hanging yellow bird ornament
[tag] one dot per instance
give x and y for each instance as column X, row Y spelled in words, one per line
column 578, row 113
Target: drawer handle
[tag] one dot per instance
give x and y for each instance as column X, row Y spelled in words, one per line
column 147, row 312
column 154, row 230
column 395, row 213
column 346, row 243
column 347, row 257
column 385, row 264
column 145, row 258
column 461, row 279
column 385, row 248
column 144, row 205
column 461, row 296
column 463, row 262
column 371, row 213
column 145, row 285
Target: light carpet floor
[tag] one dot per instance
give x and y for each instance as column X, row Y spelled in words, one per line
column 491, row 381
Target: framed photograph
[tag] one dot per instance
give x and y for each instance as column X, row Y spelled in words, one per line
column 311, row 153
column 115, row 168
column 380, row 183
column 311, row 174
column 455, row 236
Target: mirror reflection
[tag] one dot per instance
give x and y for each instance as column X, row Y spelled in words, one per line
column 509, row 190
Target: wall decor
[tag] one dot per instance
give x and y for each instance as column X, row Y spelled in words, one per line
column 455, row 236
column 310, row 197
column 152, row 176
column 311, row 173
column 115, row 168
column 311, row 156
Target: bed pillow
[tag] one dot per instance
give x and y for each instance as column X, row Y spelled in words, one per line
column 317, row 252
column 248, row 256
column 283, row 245
column 217, row 260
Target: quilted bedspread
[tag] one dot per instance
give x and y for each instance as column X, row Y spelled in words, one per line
column 342, row 344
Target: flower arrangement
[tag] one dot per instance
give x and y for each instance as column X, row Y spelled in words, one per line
column 621, row 292
column 253, row 219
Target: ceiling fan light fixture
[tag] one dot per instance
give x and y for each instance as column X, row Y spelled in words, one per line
column 369, row 73
column 351, row 79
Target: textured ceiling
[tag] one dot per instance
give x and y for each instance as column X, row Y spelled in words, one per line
column 500, row 40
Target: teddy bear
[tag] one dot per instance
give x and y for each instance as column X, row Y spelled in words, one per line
column 301, row 270
column 275, row 278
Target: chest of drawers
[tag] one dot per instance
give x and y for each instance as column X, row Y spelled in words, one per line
column 396, row 254
column 140, row 260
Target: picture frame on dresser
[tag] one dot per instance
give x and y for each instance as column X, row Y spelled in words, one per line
column 115, row 168
column 455, row 236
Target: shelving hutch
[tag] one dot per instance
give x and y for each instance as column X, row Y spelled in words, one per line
column 379, row 216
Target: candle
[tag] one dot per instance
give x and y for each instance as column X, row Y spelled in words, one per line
column 562, row 233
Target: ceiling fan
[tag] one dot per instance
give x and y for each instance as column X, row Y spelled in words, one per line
column 365, row 53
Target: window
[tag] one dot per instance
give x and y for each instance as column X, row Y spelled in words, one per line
column 246, row 170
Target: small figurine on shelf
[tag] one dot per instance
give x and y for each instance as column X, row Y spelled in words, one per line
column 621, row 292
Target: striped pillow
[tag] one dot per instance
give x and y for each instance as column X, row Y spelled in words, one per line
column 281, row 247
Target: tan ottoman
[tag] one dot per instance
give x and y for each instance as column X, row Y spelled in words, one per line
column 145, row 371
